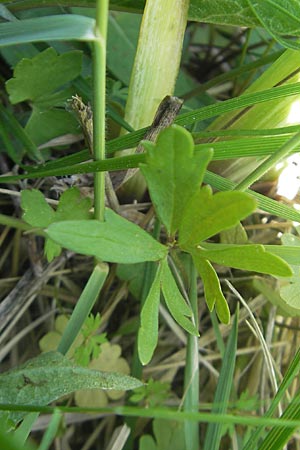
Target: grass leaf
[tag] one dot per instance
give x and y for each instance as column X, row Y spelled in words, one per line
column 48, row 28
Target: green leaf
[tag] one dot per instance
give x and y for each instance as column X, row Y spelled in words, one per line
column 46, row 124
column 148, row 332
column 206, row 215
column 173, row 173
column 252, row 257
column 34, row 78
column 176, row 304
column 72, row 206
column 270, row 292
column 114, row 240
column 50, row 376
column 289, row 288
column 279, row 18
column 212, row 288
column 37, row 212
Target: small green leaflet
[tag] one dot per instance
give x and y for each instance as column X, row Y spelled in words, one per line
column 251, row 257
column 173, row 173
column 39, row 214
column 148, row 332
column 50, row 376
column 180, row 310
column 206, row 214
column 176, row 304
column 114, row 240
column 212, row 289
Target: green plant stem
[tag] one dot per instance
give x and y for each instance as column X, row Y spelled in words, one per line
column 18, row 224
column 83, row 307
column 191, row 373
column 99, row 75
column 287, row 148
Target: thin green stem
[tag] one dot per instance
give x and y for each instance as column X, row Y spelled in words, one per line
column 191, row 373
column 99, row 75
column 270, row 162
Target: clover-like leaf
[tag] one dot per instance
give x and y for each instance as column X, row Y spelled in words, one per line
column 173, row 173
column 114, row 240
column 206, row 214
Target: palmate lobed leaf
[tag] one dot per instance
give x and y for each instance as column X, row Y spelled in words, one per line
column 37, row 77
column 50, row 376
column 206, row 214
column 114, row 240
column 173, row 173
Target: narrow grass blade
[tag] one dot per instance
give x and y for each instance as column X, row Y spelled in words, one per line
column 214, row 430
column 279, row 436
column 51, row 431
column 49, row 28
column 292, row 371
column 83, row 307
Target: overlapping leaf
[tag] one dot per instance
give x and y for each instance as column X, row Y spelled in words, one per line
column 206, row 214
